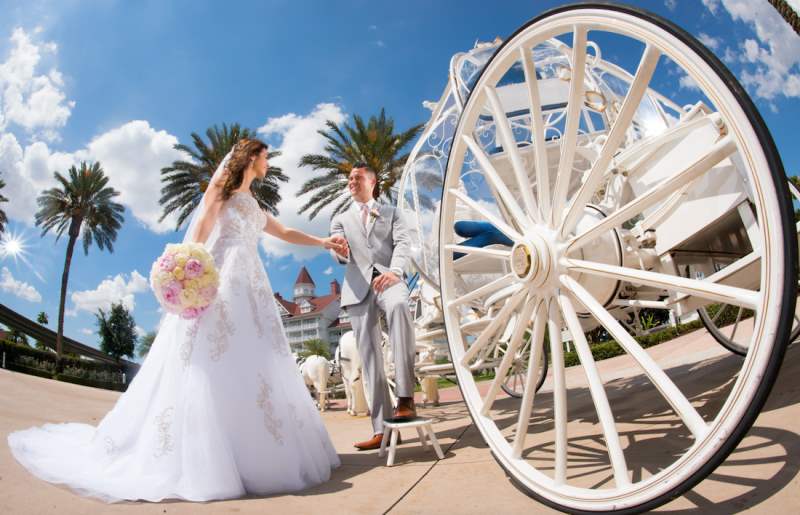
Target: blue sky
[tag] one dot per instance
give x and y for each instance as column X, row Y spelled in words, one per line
column 121, row 82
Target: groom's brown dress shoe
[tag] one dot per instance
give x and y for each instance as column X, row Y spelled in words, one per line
column 373, row 443
column 405, row 410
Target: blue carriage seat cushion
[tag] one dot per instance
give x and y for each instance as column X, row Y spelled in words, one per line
column 479, row 234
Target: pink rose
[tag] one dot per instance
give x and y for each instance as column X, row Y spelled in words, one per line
column 193, row 268
column 166, row 262
column 190, row 313
column 172, row 292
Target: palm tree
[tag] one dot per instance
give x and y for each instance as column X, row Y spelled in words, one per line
column 3, row 218
column 83, row 203
column 184, row 183
column 374, row 143
column 43, row 319
column 315, row 347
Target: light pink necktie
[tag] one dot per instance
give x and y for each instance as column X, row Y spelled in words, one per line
column 364, row 212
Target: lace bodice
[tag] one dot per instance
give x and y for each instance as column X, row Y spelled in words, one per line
column 241, row 219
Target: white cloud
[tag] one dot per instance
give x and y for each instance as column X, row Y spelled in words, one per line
column 328, row 271
column 712, row 5
column 671, row 4
column 132, row 156
column 110, row 290
column 373, row 27
column 709, row 41
column 18, row 288
column 771, row 64
column 686, row 82
column 380, row 44
column 298, row 136
column 87, row 332
column 30, row 98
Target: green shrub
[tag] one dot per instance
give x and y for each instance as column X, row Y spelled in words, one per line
column 610, row 348
column 42, row 363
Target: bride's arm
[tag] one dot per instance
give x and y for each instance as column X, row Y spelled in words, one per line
column 212, row 203
column 277, row 229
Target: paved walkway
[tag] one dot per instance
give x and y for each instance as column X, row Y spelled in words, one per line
column 761, row 476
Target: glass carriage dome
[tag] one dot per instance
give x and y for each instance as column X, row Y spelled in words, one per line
column 605, row 84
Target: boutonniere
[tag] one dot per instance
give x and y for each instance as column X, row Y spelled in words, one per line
column 374, row 214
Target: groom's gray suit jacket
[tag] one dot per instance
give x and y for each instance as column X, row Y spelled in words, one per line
column 384, row 244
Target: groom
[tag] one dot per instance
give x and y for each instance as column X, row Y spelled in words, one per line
column 376, row 252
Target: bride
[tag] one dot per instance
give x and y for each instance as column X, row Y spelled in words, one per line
column 218, row 409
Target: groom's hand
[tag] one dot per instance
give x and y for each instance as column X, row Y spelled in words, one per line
column 385, row 280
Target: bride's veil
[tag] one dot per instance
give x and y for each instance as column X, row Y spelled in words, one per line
column 212, row 237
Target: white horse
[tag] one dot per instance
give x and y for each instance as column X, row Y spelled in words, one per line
column 316, row 371
column 350, row 365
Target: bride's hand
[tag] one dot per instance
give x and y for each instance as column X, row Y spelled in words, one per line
column 336, row 243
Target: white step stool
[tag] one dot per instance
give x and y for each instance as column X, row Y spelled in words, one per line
column 392, row 429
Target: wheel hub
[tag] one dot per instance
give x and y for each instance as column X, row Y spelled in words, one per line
column 522, row 260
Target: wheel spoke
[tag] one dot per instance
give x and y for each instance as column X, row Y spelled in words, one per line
column 491, row 218
column 736, row 323
column 571, row 124
column 599, row 398
column 537, row 133
column 485, row 337
column 668, row 390
column 510, row 147
column 501, row 375
column 704, row 289
column 479, row 251
column 500, row 282
column 506, row 197
column 633, row 98
column 722, row 307
column 529, row 389
column 559, row 393
column 722, row 149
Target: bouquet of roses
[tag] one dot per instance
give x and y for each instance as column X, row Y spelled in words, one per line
column 184, row 279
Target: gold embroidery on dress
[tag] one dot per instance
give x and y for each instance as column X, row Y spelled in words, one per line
column 111, row 449
column 293, row 412
column 164, row 424
column 185, row 351
column 223, row 329
column 264, row 402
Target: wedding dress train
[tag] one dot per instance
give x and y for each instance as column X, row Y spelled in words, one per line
column 218, row 409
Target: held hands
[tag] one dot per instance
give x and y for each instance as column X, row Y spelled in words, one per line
column 385, row 280
column 338, row 244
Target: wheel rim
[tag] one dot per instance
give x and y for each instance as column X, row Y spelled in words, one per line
column 545, row 282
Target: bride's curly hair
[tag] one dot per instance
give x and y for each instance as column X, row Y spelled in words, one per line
column 243, row 151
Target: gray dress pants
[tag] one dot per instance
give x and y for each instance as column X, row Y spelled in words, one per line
column 393, row 301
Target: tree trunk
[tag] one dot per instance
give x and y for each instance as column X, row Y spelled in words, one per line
column 74, row 231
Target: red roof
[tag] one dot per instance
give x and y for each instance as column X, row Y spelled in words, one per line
column 304, row 277
column 339, row 323
column 319, row 304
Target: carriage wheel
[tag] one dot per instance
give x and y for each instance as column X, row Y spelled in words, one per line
column 630, row 444
column 517, row 371
column 723, row 321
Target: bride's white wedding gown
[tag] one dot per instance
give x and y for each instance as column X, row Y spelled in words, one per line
column 218, row 409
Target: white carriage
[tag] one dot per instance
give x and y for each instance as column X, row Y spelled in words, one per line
column 558, row 189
